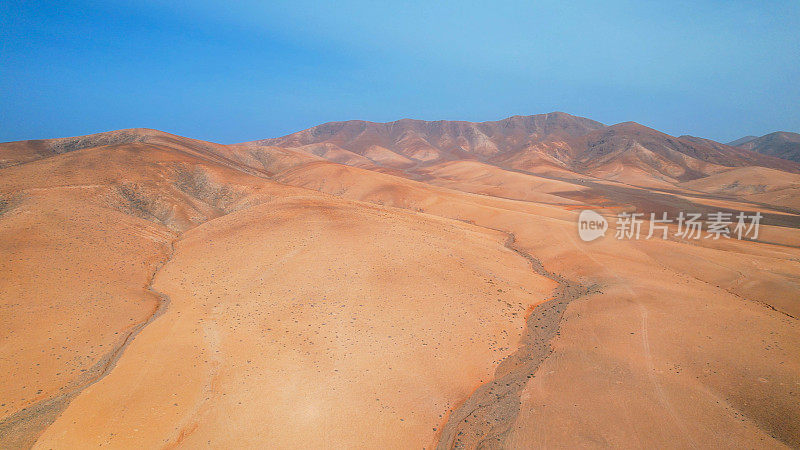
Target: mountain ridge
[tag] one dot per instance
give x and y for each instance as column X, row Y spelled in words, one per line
column 780, row 144
column 554, row 140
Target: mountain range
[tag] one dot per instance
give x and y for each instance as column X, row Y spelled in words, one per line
column 545, row 143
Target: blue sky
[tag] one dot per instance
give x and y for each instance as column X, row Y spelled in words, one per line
column 237, row 71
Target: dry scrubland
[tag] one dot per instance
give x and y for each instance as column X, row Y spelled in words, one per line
column 417, row 285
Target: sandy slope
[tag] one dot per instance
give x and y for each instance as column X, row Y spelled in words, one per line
column 481, row 178
column 83, row 232
column 671, row 351
column 282, row 314
column 759, row 184
column 685, row 334
column 72, row 291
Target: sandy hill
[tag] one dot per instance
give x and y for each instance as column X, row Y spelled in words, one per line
column 757, row 184
column 746, row 180
column 24, row 151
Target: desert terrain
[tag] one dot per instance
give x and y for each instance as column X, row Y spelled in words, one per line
column 408, row 284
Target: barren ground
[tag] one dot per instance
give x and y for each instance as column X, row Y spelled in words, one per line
column 167, row 292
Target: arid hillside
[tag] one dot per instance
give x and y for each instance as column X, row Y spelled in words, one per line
column 555, row 144
column 432, row 141
column 781, row 144
column 403, row 285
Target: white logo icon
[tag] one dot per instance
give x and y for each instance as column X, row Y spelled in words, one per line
column 591, row 225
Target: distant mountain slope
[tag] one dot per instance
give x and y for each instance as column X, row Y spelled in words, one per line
column 727, row 155
column 741, row 140
column 425, row 141
column 555, row 144
column 781, row 144
column 634, row 154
